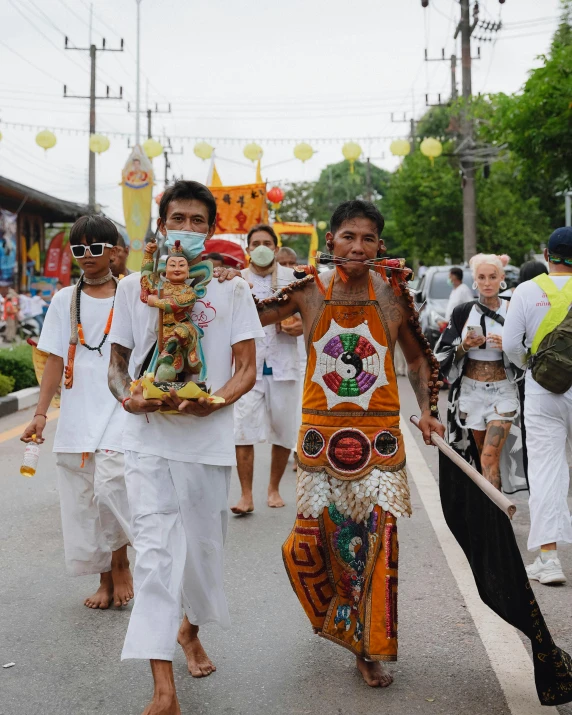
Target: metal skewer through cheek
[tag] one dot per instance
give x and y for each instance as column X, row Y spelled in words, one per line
column 330, row 258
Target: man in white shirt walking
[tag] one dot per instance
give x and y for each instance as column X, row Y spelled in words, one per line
column 548, row 416
column 177, row 466
column 89, row 454
column 268, row 413
column 461, row 292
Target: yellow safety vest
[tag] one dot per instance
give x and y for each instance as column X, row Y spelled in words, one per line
column 560, row 301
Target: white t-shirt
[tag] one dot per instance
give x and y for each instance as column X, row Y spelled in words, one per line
column 36, row 306
column 278, row 350
column 528, row 307
column 459, row 295
column 492, row 328
column 90, row 417
column 227, row 315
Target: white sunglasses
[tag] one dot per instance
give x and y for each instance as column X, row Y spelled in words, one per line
column 95, row 249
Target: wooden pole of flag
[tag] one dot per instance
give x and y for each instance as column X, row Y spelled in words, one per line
column 484, row 485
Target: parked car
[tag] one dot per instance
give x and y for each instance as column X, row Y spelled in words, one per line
column 432, row 296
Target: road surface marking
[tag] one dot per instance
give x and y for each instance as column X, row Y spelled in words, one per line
column 17, row 431
column 507, row 654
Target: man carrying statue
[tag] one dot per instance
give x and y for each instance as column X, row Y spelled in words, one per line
column 179, row 452
column 342, row 554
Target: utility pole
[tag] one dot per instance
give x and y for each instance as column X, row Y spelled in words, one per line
column 168, row 151
column 466, row 28
column 93, row 50
column 149, row 113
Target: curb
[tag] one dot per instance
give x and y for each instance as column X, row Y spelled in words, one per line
column 19, row 400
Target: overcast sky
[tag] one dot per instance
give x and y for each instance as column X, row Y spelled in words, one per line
column 297, row 69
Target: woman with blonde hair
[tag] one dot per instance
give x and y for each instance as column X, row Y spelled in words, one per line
column 484, row 406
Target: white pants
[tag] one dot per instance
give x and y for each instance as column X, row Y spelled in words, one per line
column 179, row 520
column 95, row 510
column 268, row 413
column 548, row 420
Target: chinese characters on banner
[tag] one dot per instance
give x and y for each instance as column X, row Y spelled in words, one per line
column 239, row 207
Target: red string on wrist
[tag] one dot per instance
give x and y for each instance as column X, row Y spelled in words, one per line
column 40, row 415
column 123, row 401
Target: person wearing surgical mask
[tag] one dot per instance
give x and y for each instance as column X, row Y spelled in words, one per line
column 179, row 453
column 268, row 413
column 461, row 292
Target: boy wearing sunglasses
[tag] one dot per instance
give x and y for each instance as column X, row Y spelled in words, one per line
column 89, row 454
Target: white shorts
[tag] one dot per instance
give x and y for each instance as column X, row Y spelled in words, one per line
column 268, row 413
column 484, row 402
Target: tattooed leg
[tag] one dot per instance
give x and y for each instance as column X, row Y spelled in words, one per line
column 479, row 437
column 496, row 436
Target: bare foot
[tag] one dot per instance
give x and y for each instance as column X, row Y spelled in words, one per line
column 122, row 585
column 121, row 576
column 374, row 673
column 245, row 506
column 163, row 705
column 198, row 662
column 103, row 596
column 275, row 500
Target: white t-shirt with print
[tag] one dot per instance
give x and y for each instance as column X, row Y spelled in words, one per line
column 227, row 315
column 90, row 417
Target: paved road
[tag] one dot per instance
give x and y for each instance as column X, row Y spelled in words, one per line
column 67, row 657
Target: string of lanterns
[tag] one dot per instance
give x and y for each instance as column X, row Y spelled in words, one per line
column 98, row 143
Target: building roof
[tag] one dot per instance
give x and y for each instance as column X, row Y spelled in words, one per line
column 51, row 209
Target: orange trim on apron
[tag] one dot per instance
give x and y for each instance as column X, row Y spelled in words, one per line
column 350, row 406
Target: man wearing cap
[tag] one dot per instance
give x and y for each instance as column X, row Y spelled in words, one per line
column 548, row 416
column 268, row 412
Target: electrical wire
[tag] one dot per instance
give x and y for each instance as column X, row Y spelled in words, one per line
column 38, row 69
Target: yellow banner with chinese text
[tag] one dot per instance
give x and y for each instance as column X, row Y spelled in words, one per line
column 239, row 207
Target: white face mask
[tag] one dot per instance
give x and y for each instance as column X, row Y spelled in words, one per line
column 262, row 256
column 192, row 243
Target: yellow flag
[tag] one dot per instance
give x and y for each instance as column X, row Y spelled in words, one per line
column 258, row 173
column 34, row 255
column 137, row 183
column 215, row 179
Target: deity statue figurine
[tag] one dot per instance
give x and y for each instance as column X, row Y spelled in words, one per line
column 178, row 355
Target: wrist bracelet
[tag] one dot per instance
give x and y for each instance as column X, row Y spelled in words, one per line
column 38, row 414
column 123, row 401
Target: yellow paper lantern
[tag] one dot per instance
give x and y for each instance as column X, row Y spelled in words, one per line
column 431, row 148
column 351, row 152
column 303, row 151
column 98, row 143
column 322, row 225
column 400, row 147
column 46, row 139
column 152, row 148
column 0, row 136
column 203, row 150
column 253, row 152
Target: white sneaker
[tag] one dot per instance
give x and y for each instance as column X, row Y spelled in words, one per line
column 546, row 571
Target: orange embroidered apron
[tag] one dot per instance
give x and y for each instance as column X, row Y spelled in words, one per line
column 350, row 407
column 344, row 571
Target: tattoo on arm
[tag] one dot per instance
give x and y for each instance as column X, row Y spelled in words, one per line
column 118, row 377
column 419, row 383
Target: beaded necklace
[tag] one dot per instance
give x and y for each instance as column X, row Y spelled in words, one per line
column 76, row 334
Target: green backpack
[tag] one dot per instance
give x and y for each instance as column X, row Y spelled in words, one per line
column 550, row 357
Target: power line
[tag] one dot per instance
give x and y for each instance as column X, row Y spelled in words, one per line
column 217, row 140
column 52, row 43
column 39, row 69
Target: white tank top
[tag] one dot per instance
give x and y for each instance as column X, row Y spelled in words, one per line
column 492, row 328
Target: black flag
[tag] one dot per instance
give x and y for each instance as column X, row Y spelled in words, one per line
column 485, row 534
